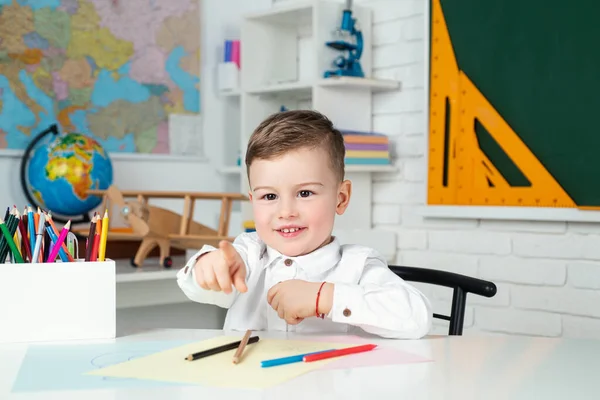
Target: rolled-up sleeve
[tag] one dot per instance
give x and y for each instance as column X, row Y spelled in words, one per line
column 382, row 304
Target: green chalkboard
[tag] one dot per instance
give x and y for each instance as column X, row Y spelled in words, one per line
column 538, row 63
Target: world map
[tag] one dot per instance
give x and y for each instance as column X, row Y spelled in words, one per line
column 113, row 70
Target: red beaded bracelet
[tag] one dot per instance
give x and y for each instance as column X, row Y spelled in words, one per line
column 322, row 316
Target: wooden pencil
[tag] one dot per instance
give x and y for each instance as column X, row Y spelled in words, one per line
column 219, row 349
column 10, row 243
column 240, row 350
column 10, row 225
column 57, row 233
column 90, row 240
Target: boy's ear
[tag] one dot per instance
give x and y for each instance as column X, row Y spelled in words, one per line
column 343, row 196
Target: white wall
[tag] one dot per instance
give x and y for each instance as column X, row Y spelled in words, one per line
column 219, row 20
column 547, row 273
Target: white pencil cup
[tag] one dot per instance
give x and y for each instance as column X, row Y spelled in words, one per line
column 57, row 301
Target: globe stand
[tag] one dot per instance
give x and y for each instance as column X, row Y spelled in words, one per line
column 52, row 129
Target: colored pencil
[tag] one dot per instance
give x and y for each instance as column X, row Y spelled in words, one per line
column 31, row 227
column 219, row 349
column 65, row 250
column 59, row 242
column 289, row 360
column 39, row 233
column 90, row 240
column 103, row 237
column 340, row 352
column 24, row 239
column 241, row 347
column 53, row 239
column 4, row 245
column 11, row 243
column 46, row 244
column 96, row 242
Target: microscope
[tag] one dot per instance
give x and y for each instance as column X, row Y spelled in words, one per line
column 350, row 65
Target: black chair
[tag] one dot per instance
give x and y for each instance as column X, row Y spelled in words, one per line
column 461, row 284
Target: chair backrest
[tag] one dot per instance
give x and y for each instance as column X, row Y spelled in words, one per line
column 461, row 285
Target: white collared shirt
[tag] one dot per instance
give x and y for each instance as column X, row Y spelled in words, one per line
column 366, row 295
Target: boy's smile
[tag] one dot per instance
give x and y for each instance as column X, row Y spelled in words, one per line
column 295, row 198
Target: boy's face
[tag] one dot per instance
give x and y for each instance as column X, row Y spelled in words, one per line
column 295, row 198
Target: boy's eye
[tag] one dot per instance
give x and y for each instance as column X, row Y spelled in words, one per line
column 305, row 193
column 269, row 196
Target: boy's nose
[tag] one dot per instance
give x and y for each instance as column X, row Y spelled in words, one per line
column 287, row 210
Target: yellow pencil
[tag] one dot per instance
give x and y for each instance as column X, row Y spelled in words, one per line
column 103, row 237
column 17, row 241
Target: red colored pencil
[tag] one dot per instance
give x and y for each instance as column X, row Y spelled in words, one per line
column 340, row 352
column 94, row 256
column 24, row 240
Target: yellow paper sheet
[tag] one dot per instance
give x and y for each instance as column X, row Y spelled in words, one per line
column 218, row 369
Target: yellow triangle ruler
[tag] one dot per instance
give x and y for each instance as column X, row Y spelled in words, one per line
column 459, row 171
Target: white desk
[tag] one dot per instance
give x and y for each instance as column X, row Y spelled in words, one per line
column 486, row 367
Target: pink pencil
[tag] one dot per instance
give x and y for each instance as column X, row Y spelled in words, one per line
column 61, row 238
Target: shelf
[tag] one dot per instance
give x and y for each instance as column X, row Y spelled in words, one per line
column 151, row 271
column 295, row 88
column 230, row 93
column 370, row 168
column 298, row 13
column 376, row 85
column 234, row 169
column 510, row 213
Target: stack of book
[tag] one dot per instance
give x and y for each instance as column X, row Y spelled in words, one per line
column 366, row 148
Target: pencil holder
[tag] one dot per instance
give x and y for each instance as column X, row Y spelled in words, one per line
column 228, row 77
column 57, row 301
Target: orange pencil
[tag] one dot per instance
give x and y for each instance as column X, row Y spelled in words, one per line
column 99, row 225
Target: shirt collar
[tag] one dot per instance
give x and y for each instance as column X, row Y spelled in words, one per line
column 320, row 260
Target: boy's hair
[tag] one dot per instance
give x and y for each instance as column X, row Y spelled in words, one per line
column 286, row 131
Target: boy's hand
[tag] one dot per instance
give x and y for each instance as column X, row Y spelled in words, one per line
column 221, row 268
column 295, row 299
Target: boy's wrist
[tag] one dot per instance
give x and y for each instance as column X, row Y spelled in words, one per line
column 325, row 299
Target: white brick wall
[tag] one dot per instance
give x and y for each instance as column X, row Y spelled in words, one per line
column 547, row 273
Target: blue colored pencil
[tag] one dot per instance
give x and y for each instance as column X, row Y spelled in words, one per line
column 288, row 360
column 31, row 223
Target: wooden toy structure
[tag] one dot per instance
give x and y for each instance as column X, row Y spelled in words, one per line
column 157, row 226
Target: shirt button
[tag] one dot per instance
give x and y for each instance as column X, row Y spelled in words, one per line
column 288, row 262
column 347, row 312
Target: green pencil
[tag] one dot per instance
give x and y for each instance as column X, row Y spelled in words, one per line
column 11, row 225
column 11, row 242
column 3, row 243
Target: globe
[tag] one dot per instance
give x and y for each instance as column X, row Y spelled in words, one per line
column 60, row 173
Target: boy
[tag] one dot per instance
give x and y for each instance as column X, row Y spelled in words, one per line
column 292, row 274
